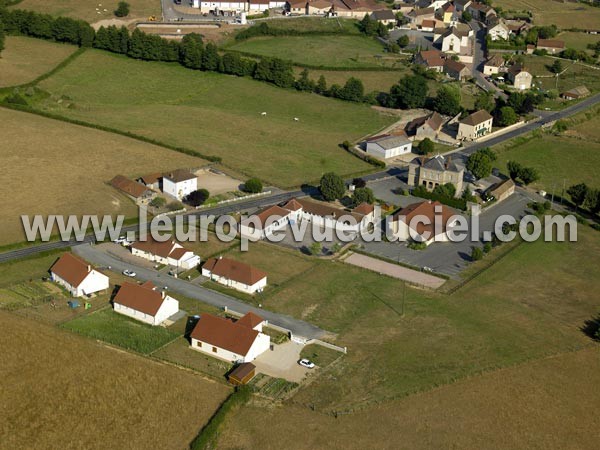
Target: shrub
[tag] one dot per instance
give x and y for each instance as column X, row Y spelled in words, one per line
column 487, row 247
column 175, row 206
column 158, row 202
column 476, row 254
column 413, row 245
column 197, row 198
column 253, row 186
column 16, row 99
column 122, row 9
column 363, row 195
column 332, row 186
column 426, row 146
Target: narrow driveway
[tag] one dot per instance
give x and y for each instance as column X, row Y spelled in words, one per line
column 100, row 258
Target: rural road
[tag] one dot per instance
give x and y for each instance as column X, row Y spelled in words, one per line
column 261, row 202
column 102, row 259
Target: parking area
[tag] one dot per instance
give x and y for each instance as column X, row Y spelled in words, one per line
column 217, row 182
column 282, row 362
column 416, row 38
column 390, row 191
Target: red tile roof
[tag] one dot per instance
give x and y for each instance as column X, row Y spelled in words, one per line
column 250, row 320
column 364, row 209
column 292, row 205
column 71, row 269
column 550, row 43
column 426, row 209
column 128, row 186
column 224, row 333
column 234, row 270
column 143, row 298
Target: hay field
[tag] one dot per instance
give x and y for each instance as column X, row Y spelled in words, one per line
column 86, row 9
column 64, row 391
column 562, row 14
column 546, row 404
column 24, row 59
column 217, row 115
column 372, row 81
column 59, row 168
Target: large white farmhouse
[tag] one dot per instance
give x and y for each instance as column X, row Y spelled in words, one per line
column 145, row 303
column 77, row 276
column 169, row 252
column 180, row 183
column 240, row 341
column 235, row 274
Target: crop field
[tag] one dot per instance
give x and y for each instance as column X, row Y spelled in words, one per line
column 564, row 15
column 65, row 391
column 322, row 51
column 24, row 59
column 558, row 160
column 542, row 404
column 92, row 10
column 217, row 115
column 69, row 167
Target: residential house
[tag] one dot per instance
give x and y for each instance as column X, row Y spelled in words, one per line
column 494, row 65
column 151, row 181
column 482, row 12
column 258, row 6
column 498, row 30
column 387, row 146
column 456, row 39
column 385, row 16
column 425, row 126
column 145, row 303
column 428, row 26
column 456, row 70
column 235, row 274
column 180, row 183
column 265, row 223
column 434, row 172
column 318, row 7
column 518, row 27
column 475, row 125
column 520, row 78
column 326, row 215
column 431, row 59
column 417, row 16
column 134, row 190
column 220, row 6
column 552, row 46
column 168, row 252
column 77, row 276
column 529, row 49
column 240, row 341
column 576, row 93
column 502, row 190
column 297, row 6
column 425, row 222
column 461, row 5
column 448, row 14
column 277, row 4
column 356, row 9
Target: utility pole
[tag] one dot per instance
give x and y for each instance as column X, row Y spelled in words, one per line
column 563, row 190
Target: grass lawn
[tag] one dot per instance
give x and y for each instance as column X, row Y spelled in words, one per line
column 307, row 24
column 217, row 115
column 578, row 41
column 576, row 74
column 33, row 268
column 558, row 159
column 24, row 59
column 321, row 356
column 535, row 405
column 372, row 81
column 89, row 10
column 564, row 15
column 109, row 326
column 67, row 391
column 325, row 51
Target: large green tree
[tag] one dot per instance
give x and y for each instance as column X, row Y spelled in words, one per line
column 480, row 163
column 353, row 90
column 363, row 195
column 578, row 193
column 410, row 92
column 507, row 116
column 332, row 186
column 447, row 101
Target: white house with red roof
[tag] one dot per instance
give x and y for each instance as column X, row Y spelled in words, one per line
column 235, row 274
column 237, row 341
column 145, row 303
column 77, row 276
column 265, row 222
column 425, row 222
column 168, row 252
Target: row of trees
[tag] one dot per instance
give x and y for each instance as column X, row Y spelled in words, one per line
column 526, row 175
column 2, row 36
column 585, row 197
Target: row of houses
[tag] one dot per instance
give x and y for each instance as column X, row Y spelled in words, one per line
column 442, row 63
column 238, row 341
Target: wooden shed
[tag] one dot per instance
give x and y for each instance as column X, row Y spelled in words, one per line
column 242, row 374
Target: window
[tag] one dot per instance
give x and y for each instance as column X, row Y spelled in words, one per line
column 198, row 344
column 214, row 350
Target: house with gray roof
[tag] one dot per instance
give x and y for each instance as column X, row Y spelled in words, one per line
column 387, row 146
column 436, row 171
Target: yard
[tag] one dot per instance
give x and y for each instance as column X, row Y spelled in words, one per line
column 564, row 15
column 114, row 328
column 578, row 41
column 322, row 51
column 24, row 59
column 91, row 10
column 65, row 391
column 575, row 75
column 197, row 108
column 58, row 158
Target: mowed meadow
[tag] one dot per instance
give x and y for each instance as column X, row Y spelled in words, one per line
column 64, row 391
column 24, row 59
column 565, row 15
column 216, row 114
column 59, row 168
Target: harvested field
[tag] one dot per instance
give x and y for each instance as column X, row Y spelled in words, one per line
column 64, row 391
column 24, row 59
column 544, row 404
column 71, row 167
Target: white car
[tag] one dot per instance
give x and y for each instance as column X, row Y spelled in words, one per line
column 307, row 363
column 120, row 240
column 129, row 273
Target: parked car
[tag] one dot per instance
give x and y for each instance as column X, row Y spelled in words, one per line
column 307, row 363
column 120, row 240
column 129, row 273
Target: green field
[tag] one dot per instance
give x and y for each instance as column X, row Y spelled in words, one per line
column 109, row 326
column 24, row 59
column 322, row 51
column 217, row 115
column 380, row 81
column 578, row 41
column 565, row 15
column 558, row 159
column 575, row 75
column 317, row 24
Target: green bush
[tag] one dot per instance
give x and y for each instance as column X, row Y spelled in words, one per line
column 476, row 254
column 122, row 9
column 253, row 186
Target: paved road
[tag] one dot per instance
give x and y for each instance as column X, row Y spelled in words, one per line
column 102, row 259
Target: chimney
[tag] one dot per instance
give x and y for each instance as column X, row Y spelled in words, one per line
column 89, row 268
column 162, row 294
